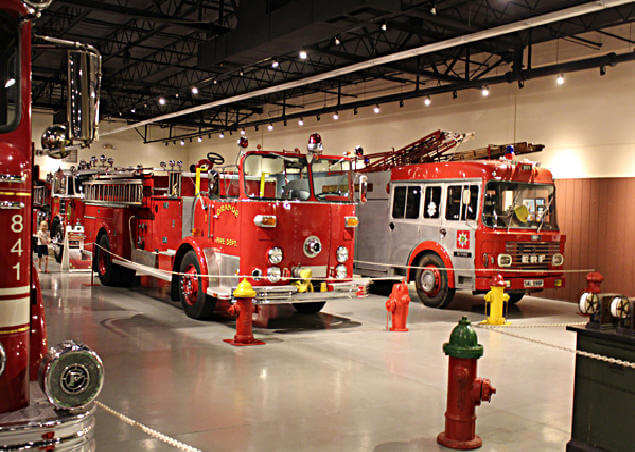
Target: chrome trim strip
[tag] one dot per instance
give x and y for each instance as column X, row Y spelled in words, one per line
column 12, row 179
column 11, row 205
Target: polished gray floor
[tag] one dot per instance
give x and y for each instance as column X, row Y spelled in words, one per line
column 334, row 381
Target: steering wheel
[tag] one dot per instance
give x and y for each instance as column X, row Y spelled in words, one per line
column 215, row 158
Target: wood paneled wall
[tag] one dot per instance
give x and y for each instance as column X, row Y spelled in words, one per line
column 598, row 217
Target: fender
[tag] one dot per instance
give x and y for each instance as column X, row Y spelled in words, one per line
column 438, row 249
column 202, row 262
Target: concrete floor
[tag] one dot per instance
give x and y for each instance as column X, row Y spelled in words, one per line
column 333, row 381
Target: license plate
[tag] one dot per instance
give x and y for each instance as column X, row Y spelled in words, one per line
column 534, row 283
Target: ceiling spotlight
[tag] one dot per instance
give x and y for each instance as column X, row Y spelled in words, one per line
column 427, row 101
column 317, row 116
column 221, row 135
column 337, row 41
column 176, row 95
column 270, row 127
column 300, row 122
column 194, row 90
column 256, row 128
column 182, row 143
column 521, row 84
column 401, row 103
column 602, row 70
column 241, row 73
column 161, row 101
column 560, row 80
column 302, row 54
column 384, row 26
column 336, row 116
column 199, row 139
column 376, row 108
column 355, row 111
column 133, row 110
column 166, row 143
column 284, row 122
column 433, row 8
column 455, row 95
column 485, row 91
column 190, row 139
column 275, row 64
column 145, row 105
column 215, row 82
column 242, row 131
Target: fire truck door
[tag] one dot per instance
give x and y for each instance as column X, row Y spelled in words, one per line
column 458, row 228
column 404, row 222
column 371, row 237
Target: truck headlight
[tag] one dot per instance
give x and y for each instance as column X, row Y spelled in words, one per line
column 275, row 255
column 274, row 274
column 504, row 260
column 341, row 272
column 342, row 254
column 557, row 259
column 3, row 360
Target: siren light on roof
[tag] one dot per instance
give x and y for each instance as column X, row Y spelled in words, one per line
column 315, row 143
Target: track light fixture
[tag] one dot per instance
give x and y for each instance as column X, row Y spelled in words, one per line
column 300, row 122
column 182, row 143
column 521, row 84
column 161, row 100
column 200, row 139
column 455, row 95
column 384, row 27
column 256, row 128
column 560, row 79
column 602, row 70
column 400, row 103
column 270, row 127
column 302, row 54
column 336, row 116
column 242, row 131
column 427, row 101
column 221, row 135
column 317, row 117
column 337, row 41
column 376, row 108
column 485, row 91
column 275, row 64
column 194, row 90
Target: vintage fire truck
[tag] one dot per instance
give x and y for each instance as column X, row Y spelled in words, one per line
column 284, row 220
column 453, row 225
column 70, row 375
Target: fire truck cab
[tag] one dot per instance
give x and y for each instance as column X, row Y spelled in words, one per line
column 460, row 223
column 284, row 220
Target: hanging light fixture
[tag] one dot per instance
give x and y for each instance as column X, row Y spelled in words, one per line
column 270, row 127
column 300, row 122
column 485, row 91
column 336, row 116
column 376, row 108
column 560, row 80
column 302, row 54
column 427, row 101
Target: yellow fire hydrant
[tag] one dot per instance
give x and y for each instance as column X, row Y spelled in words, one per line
column 495, row 297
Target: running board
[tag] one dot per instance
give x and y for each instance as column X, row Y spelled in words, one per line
column 143, row 270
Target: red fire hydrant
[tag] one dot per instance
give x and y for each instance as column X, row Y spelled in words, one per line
column 465, row 390
column 593, row 281
column 397, row 305
column 244, row 309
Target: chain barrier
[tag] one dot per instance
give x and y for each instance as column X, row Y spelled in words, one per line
column 596, row 356
column 149, row 431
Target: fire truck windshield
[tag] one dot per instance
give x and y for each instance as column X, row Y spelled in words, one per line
column 9, row 72
column 519, row 205
column 331, row 178
column 276, row 177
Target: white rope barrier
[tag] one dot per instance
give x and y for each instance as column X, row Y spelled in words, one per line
column 147, row 430
column 497, row 270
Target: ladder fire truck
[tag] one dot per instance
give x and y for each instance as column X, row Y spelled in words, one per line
column 70, row 375
column 459, row 222
column 284, row 220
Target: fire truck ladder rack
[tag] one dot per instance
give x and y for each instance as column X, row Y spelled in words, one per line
column 114, row 191
column 436, row 147
column 430, row 148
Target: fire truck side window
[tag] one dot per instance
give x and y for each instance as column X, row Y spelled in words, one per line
column 9, row 72
column 470, row 209
column 432, row 203
column 453, row 202
column 406, row 202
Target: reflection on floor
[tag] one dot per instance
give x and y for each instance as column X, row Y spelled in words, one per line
column 330, row 381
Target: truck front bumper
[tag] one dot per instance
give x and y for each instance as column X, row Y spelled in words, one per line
column 356, row 288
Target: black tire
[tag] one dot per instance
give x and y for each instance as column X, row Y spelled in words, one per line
column 110, row 274
column 382, row 286
column 195, row 302
column 439, row 294
column 515, row 298
column 309, row 308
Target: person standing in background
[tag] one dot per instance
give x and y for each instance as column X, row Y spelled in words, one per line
column 43, row 240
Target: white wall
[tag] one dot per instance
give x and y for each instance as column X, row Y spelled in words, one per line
column 587, row 124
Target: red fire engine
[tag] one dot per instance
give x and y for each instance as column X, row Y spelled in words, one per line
column 459, row 223
column 284, row 220
column 70, row 374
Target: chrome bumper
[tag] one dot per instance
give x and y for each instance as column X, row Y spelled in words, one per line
column 39, row 427
column 357, row 288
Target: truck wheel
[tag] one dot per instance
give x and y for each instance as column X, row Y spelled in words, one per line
column 105, row 268
column 432, row 282
column 58, row 248
column 515, row 298
column 309, row 308
column 194, row 300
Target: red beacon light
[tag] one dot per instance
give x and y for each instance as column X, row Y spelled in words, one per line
column 243, row 142
column 315, row 143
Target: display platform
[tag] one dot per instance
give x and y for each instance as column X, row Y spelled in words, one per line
column 603, row 398
column 40, row 427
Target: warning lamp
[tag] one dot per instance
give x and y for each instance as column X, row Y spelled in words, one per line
column 359, row 151
column 315, row 143
column 351, row 222
column 243, row 142
column 509, row 152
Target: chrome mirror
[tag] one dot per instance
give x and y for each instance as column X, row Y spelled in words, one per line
column 84, row 80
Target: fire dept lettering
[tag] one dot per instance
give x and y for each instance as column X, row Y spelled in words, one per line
column 227, row 208
column 224, row 241
column 463, row 239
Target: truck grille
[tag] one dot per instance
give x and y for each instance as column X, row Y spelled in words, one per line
column 532, row 255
